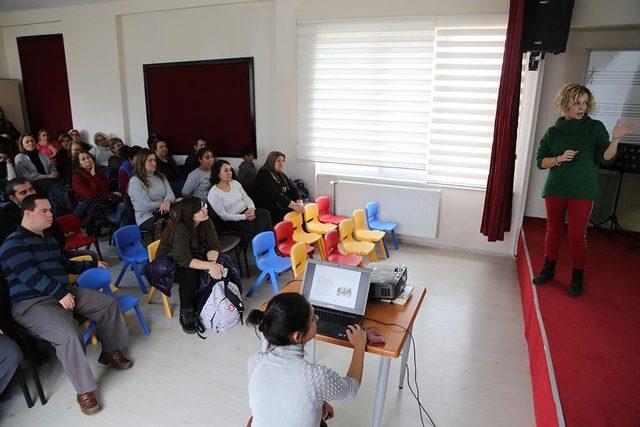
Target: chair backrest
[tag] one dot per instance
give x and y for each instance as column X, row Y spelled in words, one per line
column 263, row 244
column 126, row 237
column 283, row 231
column 311, row 212
column 346, row 230
column 359, row 219
column 96, row 279
column 372, row 211
column 298, row 258
column 69, row 223
column 323, row 203
column 296, row 220
column 74, row 277
column 331, row 240
column 152, row 249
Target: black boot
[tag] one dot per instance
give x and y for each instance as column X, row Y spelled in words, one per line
column 575, row 288
column 188, row 320
column 547, row 273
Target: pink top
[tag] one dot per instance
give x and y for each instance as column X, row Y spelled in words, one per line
column 48, row 151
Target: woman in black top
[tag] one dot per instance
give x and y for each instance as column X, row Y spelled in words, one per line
column 274, row 190
column 64, row 159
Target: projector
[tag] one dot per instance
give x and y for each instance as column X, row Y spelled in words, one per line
column 387, row 280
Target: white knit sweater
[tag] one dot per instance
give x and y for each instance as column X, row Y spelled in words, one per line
column 286, row 390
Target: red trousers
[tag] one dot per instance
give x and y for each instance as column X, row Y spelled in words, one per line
column 579, row 212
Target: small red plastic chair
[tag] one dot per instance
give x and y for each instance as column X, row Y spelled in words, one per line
column 331, row 240
column 74, row 238
column 325, row 214
column 284, row 239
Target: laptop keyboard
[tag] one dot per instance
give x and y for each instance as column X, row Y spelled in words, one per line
column 337, row 318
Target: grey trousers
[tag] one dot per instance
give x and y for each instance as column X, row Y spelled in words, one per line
column 10, row 357
column 47, row 319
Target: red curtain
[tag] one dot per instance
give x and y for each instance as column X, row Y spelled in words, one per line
column 44, row 79
column 496, row 217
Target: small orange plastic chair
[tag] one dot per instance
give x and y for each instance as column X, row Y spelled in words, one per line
column 299, row 235
column 363, row 233
column 284, row 239
column 331, row 240
column 313, row 223
column 324, row 214
column 352, row 246
column 298, row 259
column 152, row 249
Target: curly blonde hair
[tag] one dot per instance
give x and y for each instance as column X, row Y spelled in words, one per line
column 569, row 93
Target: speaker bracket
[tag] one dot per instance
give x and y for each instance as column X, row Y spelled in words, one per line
column 534, row 60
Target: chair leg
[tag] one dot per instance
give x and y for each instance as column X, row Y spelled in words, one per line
column 256, row 283
column 25, row 388
column 97, row 245
column 36, row 377
column 373, row 255
column 152, row 290
column 124, row 269
column 394, row 238
column 143, row 322
column 237, row 252
column 273, row 277
column 383, row 248
column 167, row 306
column 246, row 263
column 143, row 288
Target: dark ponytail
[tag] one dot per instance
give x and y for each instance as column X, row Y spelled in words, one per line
column 285, row 314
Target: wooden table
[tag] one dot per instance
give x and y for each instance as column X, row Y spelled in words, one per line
column 397, row 342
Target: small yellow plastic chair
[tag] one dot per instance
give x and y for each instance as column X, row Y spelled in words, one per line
column 351, row 246
column 298, row 259
column 299, row 235
column 363, row 233
column 72, row 279
column 313, row 223
column 152, row 249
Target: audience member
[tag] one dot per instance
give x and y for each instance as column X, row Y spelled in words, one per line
column 77, row 138
column 199, row 180
column 150, row 192
column 93, row 193
column 44, row 302
column 247, row 170
column 119, row 155
column 284, row 388
column 126, row 170
column 7, row 129
column 34, row 166
column 10, row 357
column 167, row 166
column 101, row 151
column 7, row 171
column 47, row 147
column 232, row 204
column 64, row 159
column 191, row 162
column 274, row 190
column 190, row 232
column 153, row 137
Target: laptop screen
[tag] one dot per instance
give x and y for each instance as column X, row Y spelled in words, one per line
column 336, row 286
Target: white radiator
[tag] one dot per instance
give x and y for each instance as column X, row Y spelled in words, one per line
column 414, row 209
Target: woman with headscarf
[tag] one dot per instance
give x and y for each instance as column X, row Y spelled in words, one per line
column 274, row 190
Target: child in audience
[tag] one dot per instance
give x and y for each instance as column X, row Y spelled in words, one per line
column 285, row 389
column 247, row 170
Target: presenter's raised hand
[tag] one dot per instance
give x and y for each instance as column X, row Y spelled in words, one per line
column 622, row 129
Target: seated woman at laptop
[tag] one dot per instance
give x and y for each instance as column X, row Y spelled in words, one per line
column 285, row 389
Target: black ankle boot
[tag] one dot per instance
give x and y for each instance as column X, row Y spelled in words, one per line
column 575, row 288
column 547, row 273
column 188, row 320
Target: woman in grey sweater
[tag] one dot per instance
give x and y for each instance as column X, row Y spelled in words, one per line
column 149, row 191
column 197, row 183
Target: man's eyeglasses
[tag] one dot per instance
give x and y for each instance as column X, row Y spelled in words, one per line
column 26, row 191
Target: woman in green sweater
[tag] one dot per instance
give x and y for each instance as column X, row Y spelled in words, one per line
column 189, row 233
column 572, row 150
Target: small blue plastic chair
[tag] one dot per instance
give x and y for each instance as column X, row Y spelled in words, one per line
column 376, row 224
column 269, row 263
column 99, row 278
column 129, row 244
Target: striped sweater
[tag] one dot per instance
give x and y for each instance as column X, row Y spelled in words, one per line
column 34, row 266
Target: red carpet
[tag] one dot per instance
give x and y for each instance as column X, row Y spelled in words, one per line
column 594, row 340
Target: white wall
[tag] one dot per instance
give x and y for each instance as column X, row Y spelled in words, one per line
column 107, row 43
column 561, row 69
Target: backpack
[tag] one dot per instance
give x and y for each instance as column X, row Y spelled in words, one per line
column 222, row 309
column 302, row 189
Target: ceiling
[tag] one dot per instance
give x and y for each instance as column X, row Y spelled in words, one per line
column 10, row 5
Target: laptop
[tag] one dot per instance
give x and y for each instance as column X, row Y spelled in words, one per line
column 338, row 294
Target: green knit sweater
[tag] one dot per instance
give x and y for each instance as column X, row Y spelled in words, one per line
column 577, row 179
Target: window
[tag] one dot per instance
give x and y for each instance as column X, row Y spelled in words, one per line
column 415, row 94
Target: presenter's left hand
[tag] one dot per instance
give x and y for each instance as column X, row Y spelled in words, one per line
column 327, row 411
column 622, row 129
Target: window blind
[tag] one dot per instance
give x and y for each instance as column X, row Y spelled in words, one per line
column 364, row 91
column 467, row 68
